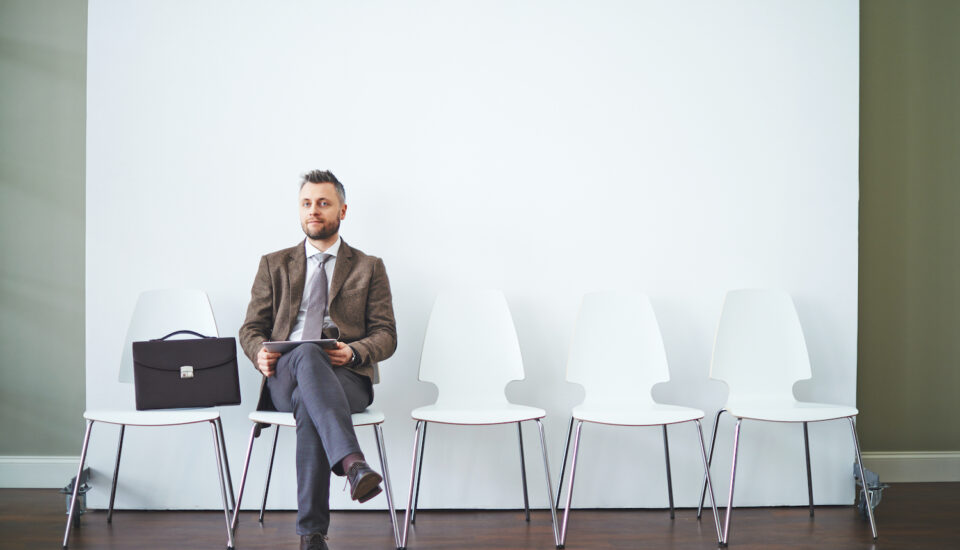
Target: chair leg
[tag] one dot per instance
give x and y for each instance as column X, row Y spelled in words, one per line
column 666, row 454
column 733, row 477
column 706, row 472
column 266, row 485
column 416, row 494
column 546, row 472
column 866, row 492
column 573, row 472
column 413, row 470
column 116, row 472
column 523, row 474
column 713, row 442
column 243, row 479
column 223, row 487
column 563, row 465
column 382, row 452
column 76, row 485
column 806, row 449
column 226, row 465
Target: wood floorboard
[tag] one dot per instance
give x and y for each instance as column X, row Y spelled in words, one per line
column 914, row 516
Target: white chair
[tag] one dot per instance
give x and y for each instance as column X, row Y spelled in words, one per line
column 158, row 313
column 470, row 352
column 369, row 417
column 617, row 355
column 760, row 353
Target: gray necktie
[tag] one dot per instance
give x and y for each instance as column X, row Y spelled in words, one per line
column 317, row 304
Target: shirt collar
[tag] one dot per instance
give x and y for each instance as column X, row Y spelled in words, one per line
column 313, row 251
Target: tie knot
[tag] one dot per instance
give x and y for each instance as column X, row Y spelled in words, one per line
column 324, row 258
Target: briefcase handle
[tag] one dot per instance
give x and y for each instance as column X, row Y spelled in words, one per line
column 197, row 334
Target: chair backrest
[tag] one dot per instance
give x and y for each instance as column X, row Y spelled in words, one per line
column 470, row 349
column 160, row 312
column 617, row 351
column 759, row 349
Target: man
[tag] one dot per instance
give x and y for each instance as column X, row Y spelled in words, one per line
column 321, row 288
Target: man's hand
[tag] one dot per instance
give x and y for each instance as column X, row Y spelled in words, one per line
column 267, row 362
column 340, row 355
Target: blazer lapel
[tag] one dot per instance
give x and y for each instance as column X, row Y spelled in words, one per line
column 341, row 269
column 297, row 278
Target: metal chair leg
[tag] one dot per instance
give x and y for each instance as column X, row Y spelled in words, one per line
column 573, row 472
column 563, row 465
column 713, row 442
column 733, row 476
column 243, row 479
column 546, row 472
column 226, row 465
column 266, row 485
column 76, row 485
column 666, row 454
column 116, row 472
column 413, row 471
column 866, row 492
column 382, row 452
column 706, row 472
column 223, row 488
column 523, row 474
column 416, row 495
column 806, row 448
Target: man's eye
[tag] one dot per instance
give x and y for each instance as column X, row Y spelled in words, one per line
column 324, row 203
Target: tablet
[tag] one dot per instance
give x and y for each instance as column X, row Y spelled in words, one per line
column 287, row 345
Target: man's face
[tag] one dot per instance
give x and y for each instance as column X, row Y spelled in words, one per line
column 320, row 210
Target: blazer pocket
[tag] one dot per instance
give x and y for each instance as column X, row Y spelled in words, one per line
column 353, row 303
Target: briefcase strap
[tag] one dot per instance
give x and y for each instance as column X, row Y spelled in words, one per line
column 197, row 334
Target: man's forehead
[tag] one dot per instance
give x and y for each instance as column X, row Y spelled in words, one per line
column 318, row 190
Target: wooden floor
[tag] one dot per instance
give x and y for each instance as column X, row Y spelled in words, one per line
column 912, row 516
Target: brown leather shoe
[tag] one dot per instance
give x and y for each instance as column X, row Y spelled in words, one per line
column 364, row 482
column 316, row 541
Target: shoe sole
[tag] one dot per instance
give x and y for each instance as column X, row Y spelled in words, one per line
column 367, row 487
column 373, row 492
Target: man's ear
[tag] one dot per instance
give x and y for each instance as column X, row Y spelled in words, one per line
column 343, row 212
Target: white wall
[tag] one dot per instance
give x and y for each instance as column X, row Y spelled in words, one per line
column 547, row 149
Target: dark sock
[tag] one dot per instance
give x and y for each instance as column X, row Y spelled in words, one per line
column 349, row 460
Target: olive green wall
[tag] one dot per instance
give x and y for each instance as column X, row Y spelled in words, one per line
column 42, row 124
column 909, row 342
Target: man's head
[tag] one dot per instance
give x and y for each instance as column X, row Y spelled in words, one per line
column 322, row 206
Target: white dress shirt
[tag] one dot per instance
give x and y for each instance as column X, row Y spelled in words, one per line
column 313, row 262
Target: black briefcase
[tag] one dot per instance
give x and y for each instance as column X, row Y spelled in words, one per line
column 197, row 372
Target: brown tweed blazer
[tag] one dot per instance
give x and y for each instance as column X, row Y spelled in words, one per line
column 360, row 304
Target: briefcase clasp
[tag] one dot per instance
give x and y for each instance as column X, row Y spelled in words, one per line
column 186, row 371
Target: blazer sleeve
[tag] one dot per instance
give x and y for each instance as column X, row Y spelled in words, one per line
column 258, row 325
column 381, row 329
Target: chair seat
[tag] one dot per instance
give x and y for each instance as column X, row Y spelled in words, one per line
column 364, row 418
column 788, row 411
column 641, row 415
column 504, row 414
column 164, row 417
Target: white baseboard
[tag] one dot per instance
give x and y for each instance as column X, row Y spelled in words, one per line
column 37, row 472
column 914, row 466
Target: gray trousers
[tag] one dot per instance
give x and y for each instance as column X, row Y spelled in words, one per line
column 321, row 398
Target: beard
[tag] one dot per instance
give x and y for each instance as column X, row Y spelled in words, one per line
column 325, row 231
